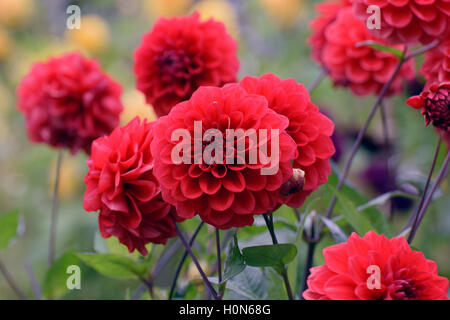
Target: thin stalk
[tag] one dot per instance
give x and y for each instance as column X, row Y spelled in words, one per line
column 427, row 201
column 54, row 216
column 308, row 264
column 425, row 190
column 197, row 264
column 269, row 223
column 317, row 80
column 219, row 261
column 34, row 283
column 183, row 258
column 12, row 283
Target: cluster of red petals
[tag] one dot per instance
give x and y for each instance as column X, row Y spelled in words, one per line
column 408, row 21
column 310, row 129
column 69, row 102
column 434, row 104
column 436, row 67
column 181, row 54
column 363, row 69
column 229, row 194
column 120, row 183
column 404, row 274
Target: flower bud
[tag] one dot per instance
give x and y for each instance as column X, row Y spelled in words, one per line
column 294, row 184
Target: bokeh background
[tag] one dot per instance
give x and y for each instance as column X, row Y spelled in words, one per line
column 272, row 37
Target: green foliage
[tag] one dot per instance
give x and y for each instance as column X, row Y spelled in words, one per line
column 274, row 255
column 115, row 266
column 235, row 262
column 55, row 282
column 9, row 222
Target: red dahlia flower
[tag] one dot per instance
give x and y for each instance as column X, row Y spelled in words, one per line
column 361, row 68
column 436, row 67
column 120, row 183
column 69, row 102
column 227, row 191
column 327, row 14
column 375, row 268
column 310, row 129
column 435, row 105
column 181, row 54
column 408, row 21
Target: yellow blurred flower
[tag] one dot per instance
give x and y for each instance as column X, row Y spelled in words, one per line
column 15, row 13
column 69, row 179
column 192, row 271
column 92, row 37
column 5, row 45
column 284, row 12
column 166, row 8
column 220, row 10
column 135, row 105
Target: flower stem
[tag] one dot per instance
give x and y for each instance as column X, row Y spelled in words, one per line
column 269, row 223
column 12, row 283
column 415, row 215
column 308, row 264
column 54, row 216
column 361, row 134
column 317, row 80
column 429, row 197
column 219, row 261
column 197, row 264
column 34, row 283
column 183, row 258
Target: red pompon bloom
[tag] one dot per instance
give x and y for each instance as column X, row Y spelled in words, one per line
column 363, row 69
column 69, row 102
column 226, row 191
column 434, row 103
column 375, row 268
column 436, row 67
column 408, row 21
column 327, row 14
column 181, row 54
column 120, row 183
column 310, row 129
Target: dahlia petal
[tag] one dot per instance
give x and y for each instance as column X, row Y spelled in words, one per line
column 221, row 200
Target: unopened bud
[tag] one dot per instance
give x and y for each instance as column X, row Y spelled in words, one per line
column 294, row 184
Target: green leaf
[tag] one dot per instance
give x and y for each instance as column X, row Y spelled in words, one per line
column 356, row 219
column 275, row 255
column 336, row 232
column 250, row 284
column 382, row 199
column 234, row 263
column 275, row 285
column 381, row 47
column 378, row 220
column 114, row 265
column 9, row 222
column 55, row 281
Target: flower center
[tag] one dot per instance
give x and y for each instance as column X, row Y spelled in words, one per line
column 174, row 63
column 403, row 290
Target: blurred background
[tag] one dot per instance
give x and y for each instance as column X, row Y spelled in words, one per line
column 272, row 37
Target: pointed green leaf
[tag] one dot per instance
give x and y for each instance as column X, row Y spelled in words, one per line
column 356, row 219
column 381, row 47
column 269, row 255
column 234, row 263
column 114, row 265
column 55, row 282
